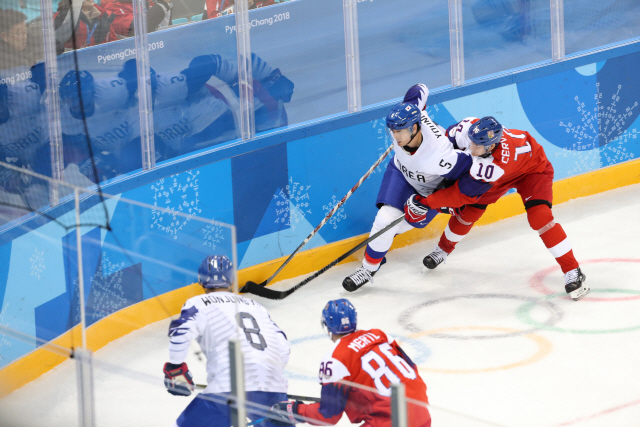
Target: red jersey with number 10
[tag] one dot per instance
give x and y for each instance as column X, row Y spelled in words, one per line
column 372, row 360
column 518, row 154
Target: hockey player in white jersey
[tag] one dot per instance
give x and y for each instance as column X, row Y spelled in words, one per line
column 102, row 112
column 212, row 320
column 423, row 159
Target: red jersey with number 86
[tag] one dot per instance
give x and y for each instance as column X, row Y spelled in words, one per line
column 374, row 361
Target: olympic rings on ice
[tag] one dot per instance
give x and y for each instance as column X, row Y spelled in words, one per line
column 537, row 281
column 554, row 317
column 524, row 310
column 544, row 348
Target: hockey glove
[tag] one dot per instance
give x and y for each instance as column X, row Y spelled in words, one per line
column 285, row 413
column 414, row 210
column 178, row 379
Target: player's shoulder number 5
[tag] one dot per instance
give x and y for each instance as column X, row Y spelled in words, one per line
column 445, row 165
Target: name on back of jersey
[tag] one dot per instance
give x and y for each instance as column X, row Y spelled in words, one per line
column 363, row 341
column 431, row 125
column 233, row 299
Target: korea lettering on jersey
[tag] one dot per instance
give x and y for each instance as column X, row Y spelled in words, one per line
column 215, row 318
column 175, row 117
column 113, row 121
column 434, row 160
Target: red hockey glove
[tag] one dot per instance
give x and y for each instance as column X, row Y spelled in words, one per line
column 414, row 210
column 177, row 379
column 285, row 413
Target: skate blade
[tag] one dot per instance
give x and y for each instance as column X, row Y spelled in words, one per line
column 579, row 293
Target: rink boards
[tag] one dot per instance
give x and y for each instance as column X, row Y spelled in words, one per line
column 276, row 188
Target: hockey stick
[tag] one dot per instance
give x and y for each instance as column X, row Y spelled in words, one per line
column 289, row 396
column 256, row 289
column 252, row 285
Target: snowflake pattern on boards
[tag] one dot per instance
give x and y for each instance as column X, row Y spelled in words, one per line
column 4, row 342
column 107, row 291
column 213, row 235
column 297, row 195
column 37, row 263
column 383, row 141
column 601, row 128
column 178, row 193
column 338, row 216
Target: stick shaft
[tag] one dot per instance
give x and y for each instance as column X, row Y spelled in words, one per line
column 333, row 211
column 272, row 294
column 290, row 396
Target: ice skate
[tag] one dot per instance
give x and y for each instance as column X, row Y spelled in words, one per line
column 574, row 280
column 358, row 279
column 435, row 258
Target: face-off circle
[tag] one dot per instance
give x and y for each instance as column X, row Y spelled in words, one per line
column 523, row 314
column 405, row 318
column 537, row 281
column 544, row 348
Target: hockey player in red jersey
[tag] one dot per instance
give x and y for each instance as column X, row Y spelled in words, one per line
column 502, row 159
column 369, row 359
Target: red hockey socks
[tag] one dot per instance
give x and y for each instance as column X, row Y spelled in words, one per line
column 554, row 238
column 458, row 227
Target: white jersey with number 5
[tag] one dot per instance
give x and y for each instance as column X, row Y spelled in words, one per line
column 217, row 317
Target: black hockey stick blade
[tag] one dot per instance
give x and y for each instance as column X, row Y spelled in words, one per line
column 251, row 285
column 277, row 295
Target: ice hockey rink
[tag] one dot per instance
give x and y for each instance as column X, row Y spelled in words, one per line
column 495, row 337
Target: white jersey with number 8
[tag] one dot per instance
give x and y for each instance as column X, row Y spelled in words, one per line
column 217, row 317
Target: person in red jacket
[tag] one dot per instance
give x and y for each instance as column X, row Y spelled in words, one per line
column 92, row 24
column 369, row 359
column 216, row 8
column 502, row 159
column 121, row 13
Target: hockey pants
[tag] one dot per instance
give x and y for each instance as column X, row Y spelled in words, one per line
column 540, row 219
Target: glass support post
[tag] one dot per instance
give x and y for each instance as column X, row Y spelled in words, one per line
column 398, row 406
column 80, row 272
column 239, row 410
column 84, row 373
column 245, row 73
column 456, row 42
column 145, row 102
column 52, row 98
column 557, row 30
column 352, row 53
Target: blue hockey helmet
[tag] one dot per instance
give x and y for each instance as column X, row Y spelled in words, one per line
column 75, row 83
column 403, row 116
column 129, row 74
column 339, row 317
column 200, row 70
column 215, row 272
column 485, row 132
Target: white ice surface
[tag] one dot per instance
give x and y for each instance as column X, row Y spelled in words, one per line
column 586, row 374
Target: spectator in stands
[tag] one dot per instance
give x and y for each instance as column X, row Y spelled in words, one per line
column 15, row 46
column 216, row 8
column 92, row 25
column 121, row 15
